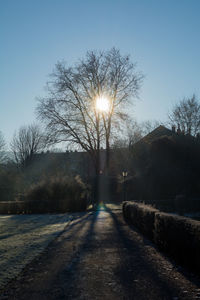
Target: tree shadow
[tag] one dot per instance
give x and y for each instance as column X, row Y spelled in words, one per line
column 134, row 273
column 68, row 275
column 132, row 268
column 137, row 272
column 37, row 222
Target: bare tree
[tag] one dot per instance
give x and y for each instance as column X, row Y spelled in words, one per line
column 3, row 155
column 134, row 131
column 186, row 115
column 148, row 126
column 26, row 142
column 131, row 134
column 70, row 110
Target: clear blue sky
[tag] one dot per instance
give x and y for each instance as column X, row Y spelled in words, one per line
column 162, row 36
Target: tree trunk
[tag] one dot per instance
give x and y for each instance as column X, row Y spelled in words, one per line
column 107, row 157
column 96, row 178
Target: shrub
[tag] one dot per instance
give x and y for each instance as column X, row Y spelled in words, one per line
column 142, row 216
column 179, row 237
column 8, row 184
column 125, row 210
column 57, row 194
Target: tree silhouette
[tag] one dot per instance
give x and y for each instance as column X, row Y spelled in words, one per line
column 186, row 115
column 26, row 142
column 70, row 110
column 2, row 148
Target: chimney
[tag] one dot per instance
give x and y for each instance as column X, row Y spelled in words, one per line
column 173, row 128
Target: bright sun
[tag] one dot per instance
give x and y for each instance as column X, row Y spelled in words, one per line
column 102, row 104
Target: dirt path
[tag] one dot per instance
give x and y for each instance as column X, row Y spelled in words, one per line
column 100, row 257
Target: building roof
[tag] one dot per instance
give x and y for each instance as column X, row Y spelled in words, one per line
column 155, row 134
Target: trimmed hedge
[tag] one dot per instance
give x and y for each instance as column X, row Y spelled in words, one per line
column 180, row 237
column 40, row 207
column 177, row 236
column 12, row 207
column 140, row 215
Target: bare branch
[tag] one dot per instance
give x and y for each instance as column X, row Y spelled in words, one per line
column 186, row 115
column 26, row 142
column 69, row 111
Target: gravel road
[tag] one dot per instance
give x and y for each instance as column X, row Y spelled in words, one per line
column 99, row 256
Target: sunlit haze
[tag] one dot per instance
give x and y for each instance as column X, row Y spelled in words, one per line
column 102, row 104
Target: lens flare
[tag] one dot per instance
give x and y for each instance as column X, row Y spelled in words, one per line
column 101, row 206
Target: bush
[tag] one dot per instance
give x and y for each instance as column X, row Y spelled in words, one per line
column 57, row 194
column 8, row 184
column 126, row 210
column 177, row 236
column 142, row 216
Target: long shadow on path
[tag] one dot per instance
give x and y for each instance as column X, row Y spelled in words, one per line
column 100, row 257
column 143, row 272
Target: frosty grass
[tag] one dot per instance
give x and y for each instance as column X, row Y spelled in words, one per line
column 23, row 237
